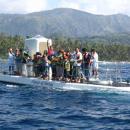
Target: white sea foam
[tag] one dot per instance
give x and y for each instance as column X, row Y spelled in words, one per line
column 12, row 86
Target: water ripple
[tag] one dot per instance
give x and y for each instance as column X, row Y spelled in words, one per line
column 39, row 108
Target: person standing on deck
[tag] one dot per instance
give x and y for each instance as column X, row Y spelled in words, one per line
column 50, row 52
column 86, row 63
column 94, row 63
column 25, row 58
column 11, row 61
column 45, row 67
column 77, row 65
column 60, row 65
column 66, row 68
column 18, row 61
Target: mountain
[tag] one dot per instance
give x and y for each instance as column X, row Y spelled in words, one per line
column 64, row 22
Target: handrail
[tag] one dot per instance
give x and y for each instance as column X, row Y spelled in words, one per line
column 114, row 62
column 106, row 71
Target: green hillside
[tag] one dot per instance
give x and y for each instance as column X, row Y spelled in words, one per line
column 64, row 22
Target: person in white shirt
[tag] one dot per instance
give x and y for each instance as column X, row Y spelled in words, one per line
column 94, row 63
column 77, row 65
column 11, row 61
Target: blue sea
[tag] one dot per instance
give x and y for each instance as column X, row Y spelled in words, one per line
column 40, row 108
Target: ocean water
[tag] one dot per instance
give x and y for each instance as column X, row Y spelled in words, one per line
column 39, row 108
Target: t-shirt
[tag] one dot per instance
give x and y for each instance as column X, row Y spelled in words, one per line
column 50, row 52
column 87, row 58
column 11, row 58
column 78, row 59
column 95, row 60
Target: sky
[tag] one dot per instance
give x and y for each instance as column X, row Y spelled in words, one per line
column 104, row 7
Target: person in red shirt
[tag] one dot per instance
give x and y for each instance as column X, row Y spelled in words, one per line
column 50, row 51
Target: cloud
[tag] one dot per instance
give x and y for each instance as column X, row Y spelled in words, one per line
column 108, row 6
column 69, row 4
column 93, row 6
column 99, row 6
column 22, row 6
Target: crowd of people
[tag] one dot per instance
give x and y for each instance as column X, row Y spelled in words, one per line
column 60, row 65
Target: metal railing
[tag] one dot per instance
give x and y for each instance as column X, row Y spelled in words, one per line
column 116, row 71
column 3, row 66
